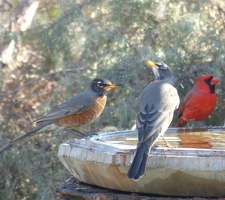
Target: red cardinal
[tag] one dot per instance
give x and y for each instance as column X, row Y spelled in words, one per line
column 199, row 102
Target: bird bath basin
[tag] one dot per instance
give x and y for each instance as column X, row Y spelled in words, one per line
column 195, row 167
column 182, row 138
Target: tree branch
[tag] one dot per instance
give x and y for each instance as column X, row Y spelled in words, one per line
column 38, row 78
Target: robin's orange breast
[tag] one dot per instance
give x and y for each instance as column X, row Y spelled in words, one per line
column 86, row 117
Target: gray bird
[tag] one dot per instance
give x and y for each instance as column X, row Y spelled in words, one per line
column 82, row 109
column 156, row 107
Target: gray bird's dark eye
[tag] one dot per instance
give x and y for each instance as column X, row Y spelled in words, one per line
column 100, row 84
column 162, row 65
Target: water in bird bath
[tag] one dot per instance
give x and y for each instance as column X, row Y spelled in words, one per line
column 213, row 138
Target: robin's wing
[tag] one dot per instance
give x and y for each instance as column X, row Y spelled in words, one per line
column 77, row 104
column 156, row 110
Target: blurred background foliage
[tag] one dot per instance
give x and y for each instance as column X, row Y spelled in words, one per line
column 51, row 49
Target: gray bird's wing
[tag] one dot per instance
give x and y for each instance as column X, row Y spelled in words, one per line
column 157, row 104
column 77, row 104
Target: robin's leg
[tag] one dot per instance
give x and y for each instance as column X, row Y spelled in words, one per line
column 82, row 134
column 76, row 133
column 87, row 134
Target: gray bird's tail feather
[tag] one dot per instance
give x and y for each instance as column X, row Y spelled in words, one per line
column 137, row 168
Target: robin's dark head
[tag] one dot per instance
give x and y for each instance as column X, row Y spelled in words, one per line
column 101, row 86
column 160, row 70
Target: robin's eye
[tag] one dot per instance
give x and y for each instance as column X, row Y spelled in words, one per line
column 100, row 84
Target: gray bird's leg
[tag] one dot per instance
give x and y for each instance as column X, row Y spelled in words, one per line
column 167, row 143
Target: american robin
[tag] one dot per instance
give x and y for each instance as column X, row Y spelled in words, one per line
column 199, row 103
column 156, row 107
column 82, row 109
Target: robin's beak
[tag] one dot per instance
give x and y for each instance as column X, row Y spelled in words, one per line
column 111, row 86
column 149, row 63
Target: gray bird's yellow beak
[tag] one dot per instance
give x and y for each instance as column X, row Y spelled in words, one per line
column 150, row 63
column 154, row 68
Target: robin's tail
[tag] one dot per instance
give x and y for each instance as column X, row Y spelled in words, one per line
column 9, row 144
column 181, row 123
column 137, row 168
column 45, row 126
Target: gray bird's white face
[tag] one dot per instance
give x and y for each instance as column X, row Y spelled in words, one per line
column 162, row 71
column 162, row 66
